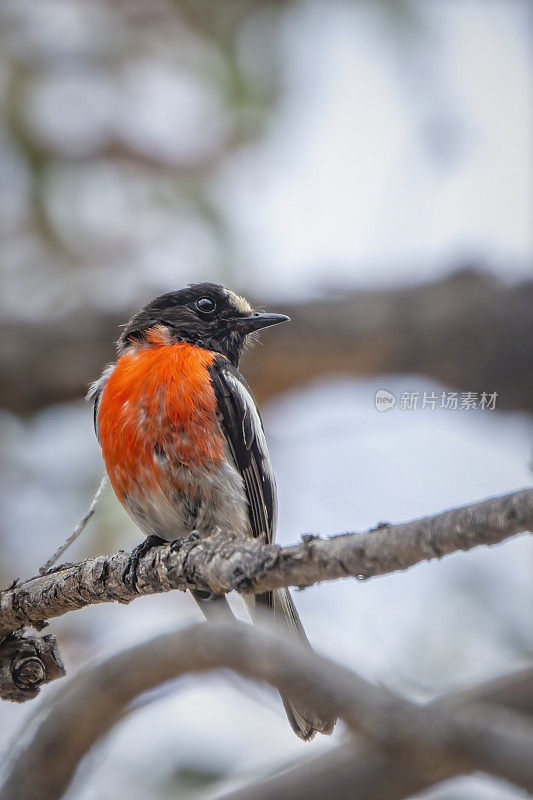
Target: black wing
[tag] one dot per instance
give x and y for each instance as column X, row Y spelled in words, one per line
column 242, row 426
column 243, row 429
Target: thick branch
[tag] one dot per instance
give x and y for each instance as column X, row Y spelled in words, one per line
column 467, row 330
column 429, row 739
column 27, row 661
column 225, row 562
column 377, row 774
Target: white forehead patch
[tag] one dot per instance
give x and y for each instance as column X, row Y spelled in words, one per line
column 240, row 303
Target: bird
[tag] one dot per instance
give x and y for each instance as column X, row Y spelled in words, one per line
column 183, row 441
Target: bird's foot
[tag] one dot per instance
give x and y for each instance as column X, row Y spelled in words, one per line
column 130, row 575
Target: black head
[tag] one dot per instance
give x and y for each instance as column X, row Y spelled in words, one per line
column 204, row 314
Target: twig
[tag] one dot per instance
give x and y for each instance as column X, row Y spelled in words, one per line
column 78, row 530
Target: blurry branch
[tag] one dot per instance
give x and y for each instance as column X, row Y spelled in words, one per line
column 224, row 562
column 377, row 774
column 434, row 740
column 467, row 330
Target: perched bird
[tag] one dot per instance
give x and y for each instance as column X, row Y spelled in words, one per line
column 181, row 435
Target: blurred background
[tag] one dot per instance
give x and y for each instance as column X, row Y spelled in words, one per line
column 366, row 166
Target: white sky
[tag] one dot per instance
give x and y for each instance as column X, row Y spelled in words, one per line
column 391, row 159
column 397, row 154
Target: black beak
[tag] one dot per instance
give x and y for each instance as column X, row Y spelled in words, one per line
column 257, row 321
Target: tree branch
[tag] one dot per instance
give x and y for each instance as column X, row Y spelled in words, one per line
column 224, row 562
column 428, row 739
column 377, row 774
column 467, row 330
column 28, row 661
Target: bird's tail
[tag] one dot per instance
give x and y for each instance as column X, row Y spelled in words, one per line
column 303, row 719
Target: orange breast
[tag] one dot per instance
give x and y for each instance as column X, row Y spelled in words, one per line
column 158, row 413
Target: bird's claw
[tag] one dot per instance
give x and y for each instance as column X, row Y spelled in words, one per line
column 130, row 575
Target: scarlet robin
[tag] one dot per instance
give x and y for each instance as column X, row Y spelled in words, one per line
column 182, row 438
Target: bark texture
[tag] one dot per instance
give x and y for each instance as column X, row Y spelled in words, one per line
column 224, row 562
column 27, row 661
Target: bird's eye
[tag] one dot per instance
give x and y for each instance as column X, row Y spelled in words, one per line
column 206, row 305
